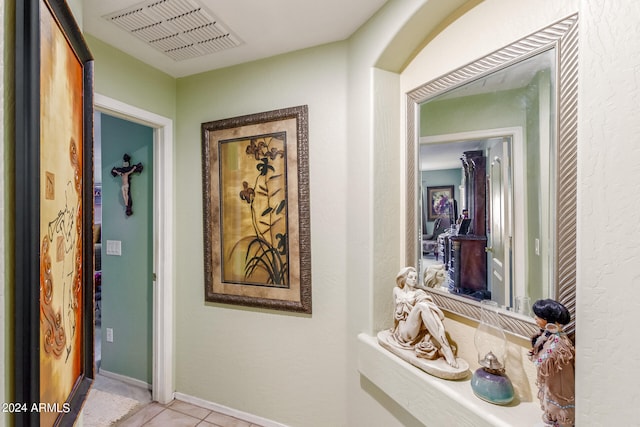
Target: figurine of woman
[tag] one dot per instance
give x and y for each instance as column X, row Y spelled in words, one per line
column 418, row 321
column 554, row 357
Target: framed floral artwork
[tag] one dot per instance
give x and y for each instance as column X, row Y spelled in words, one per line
column 256, row 210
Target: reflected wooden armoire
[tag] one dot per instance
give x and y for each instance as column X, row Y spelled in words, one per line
column 467, row 261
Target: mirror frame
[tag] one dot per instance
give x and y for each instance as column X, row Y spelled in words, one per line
column 563, row 36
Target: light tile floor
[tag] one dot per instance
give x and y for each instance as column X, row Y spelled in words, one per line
column 175, row 413
column 179, row 414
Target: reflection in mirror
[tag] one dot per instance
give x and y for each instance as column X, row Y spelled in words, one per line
column 501, row 247
column 501, row 133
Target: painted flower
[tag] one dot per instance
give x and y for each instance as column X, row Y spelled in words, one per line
column 247, row 192
column 255, row 148
column 274, row 152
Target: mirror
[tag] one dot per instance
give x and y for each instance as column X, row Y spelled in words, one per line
column 492, row 167
column 502, row 244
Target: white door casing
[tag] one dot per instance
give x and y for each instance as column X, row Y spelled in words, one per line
column 162, row 369
column 499, row 211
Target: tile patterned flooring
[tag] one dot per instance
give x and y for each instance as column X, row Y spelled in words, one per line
column 179, row 414
column 175, row 413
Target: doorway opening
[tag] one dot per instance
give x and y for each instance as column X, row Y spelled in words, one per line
column 162, row 287
column 124, row 217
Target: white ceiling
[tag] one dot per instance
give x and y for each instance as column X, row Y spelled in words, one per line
column 447, row 155
column 264, row 27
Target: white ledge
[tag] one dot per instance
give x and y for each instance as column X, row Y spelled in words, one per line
column 435, row 401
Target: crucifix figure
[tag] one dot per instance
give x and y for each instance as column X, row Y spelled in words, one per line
column 124, row 172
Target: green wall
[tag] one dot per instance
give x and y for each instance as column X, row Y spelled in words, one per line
column 469, row 113
column 256, row 360
column 534, row 264
column 122, row 77
column 127, row 286
column 128, row 80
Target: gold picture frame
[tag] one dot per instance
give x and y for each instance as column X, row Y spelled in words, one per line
column 257, row 248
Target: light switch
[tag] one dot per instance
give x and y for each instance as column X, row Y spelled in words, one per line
column 114, row 247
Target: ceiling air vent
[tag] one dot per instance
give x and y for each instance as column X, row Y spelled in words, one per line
column 181, row 29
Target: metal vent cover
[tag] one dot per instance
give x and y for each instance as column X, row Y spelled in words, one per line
column 181, row 29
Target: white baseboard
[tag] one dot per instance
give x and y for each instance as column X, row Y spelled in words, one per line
column 227, row 411
column 125, row 379
column 254, row 419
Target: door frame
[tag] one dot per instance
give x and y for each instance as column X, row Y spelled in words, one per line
column 505, row 218
column 163, row 220
column 519, row 202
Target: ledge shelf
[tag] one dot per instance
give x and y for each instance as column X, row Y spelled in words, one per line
column 435, row 401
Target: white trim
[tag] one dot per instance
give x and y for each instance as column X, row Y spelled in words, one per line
column 253, row 419
column 125, row 379
column 419, row 393
column 162, row 371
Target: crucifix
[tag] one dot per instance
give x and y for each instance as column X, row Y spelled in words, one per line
column 125, row 171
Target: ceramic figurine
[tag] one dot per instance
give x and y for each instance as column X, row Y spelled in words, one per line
column 553, row 354
column 434, row 276
column 418, row 334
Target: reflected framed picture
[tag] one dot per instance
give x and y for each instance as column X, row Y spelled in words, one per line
column 53, row 356
column 257, row 249
column 440, row 200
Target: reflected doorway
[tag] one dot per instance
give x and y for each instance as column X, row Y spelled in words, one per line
column 442, row 162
